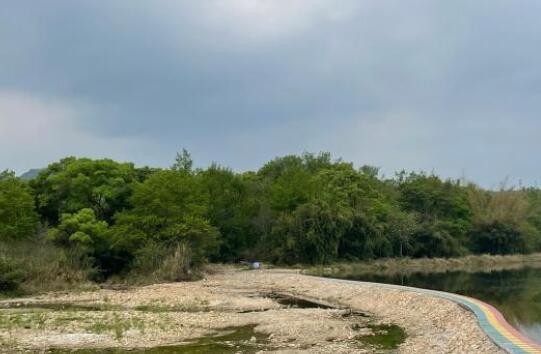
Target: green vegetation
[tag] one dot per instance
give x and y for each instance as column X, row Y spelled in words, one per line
column 117, row 325
column 158, row 306
column 384, row 336
column 405, row 266
column 17, row 216
column 234, row 340
column 83, row 219
column 35, row 264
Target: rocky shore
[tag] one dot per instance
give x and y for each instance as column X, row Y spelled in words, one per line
column 244, row 311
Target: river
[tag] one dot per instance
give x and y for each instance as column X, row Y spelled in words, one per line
column 516, row 293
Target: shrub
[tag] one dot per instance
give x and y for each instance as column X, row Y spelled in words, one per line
column 11, row 274
column 35, row 265
column 157, row 262
column 499, row 238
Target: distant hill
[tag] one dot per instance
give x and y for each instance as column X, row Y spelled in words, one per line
column 30, row 174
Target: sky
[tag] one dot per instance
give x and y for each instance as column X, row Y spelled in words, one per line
column 451, row 87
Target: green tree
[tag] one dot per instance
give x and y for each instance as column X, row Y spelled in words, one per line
column 183, row 162
column 286, row 183
column 402, row 227
column 73, row 184
column 18, row 218
column 370, row 206
column 444, row 213
column 434, row 199
column 231, row 209
column 170, row 208
column 534, row 216
column 86, row 239
column 342, row 217
column 498, row 238
column 504, row 221
column 80, row 229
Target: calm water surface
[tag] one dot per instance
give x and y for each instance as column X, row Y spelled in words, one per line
column 516, row 293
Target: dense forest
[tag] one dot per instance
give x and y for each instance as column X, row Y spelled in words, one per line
column 81, row 219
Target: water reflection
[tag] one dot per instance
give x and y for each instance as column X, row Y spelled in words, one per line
column 516, row 293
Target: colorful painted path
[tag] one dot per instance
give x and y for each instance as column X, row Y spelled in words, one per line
column 490, row 319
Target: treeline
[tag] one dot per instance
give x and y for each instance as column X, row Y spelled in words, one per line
column 111, row 219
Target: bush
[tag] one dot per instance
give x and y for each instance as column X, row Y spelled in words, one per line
column 499, row 238
column 35, row 265
column 502, row 222
column 11, row 274
column 156, row 262
column 437, row 240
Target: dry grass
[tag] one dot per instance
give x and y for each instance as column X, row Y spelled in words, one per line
column 508, row 206
column 472, row 263
column 45, row 267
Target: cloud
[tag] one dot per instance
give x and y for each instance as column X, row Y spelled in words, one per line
column 36, row 131
column 449, row 86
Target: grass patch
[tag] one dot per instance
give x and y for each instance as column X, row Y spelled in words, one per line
column 384, row 336
column 158, row 306
column 116, row 325
column 61, row 306
column 17, row 321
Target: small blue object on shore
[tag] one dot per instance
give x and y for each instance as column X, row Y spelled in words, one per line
column 255, row 265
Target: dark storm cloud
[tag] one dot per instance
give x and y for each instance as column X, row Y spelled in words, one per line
column 449, row 86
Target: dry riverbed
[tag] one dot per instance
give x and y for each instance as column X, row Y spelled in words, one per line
column 241, row 311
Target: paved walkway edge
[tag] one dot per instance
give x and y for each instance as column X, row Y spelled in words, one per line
column 490, row 320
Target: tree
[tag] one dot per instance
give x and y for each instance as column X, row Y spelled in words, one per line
column 504, row 221
column 365, row 196
column 18, row 218
column 183, row 162
column 80, row 229
column 434, row 199
column 341, row 217
column 401, row 227
column 444, row 214
column 169, row 208
column 86, row 238
column 437, row 239
column 73, row 184
column 231, row 209
column 498, row 238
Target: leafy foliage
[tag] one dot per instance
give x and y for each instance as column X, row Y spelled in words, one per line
column 164, row 224
column 170, row 207
column 81, row 228
column 183, row 162
column 231, row 209
column 12, row 274
column 504, row 222
column 72, row 184
column 18, row 218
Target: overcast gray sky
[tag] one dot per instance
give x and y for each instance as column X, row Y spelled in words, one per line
column 452, row 87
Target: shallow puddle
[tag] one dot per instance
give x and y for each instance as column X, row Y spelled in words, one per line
column 295, row 302
column 355, row 314
column 237, row 340
column 384, row 337
column 61, row 307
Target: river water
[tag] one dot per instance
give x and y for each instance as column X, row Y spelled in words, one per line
column 515, row 293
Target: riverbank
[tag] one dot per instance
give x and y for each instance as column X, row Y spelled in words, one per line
column 257, row 304
column 405, row 266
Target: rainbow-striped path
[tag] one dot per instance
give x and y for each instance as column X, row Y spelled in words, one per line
column 490, row 319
